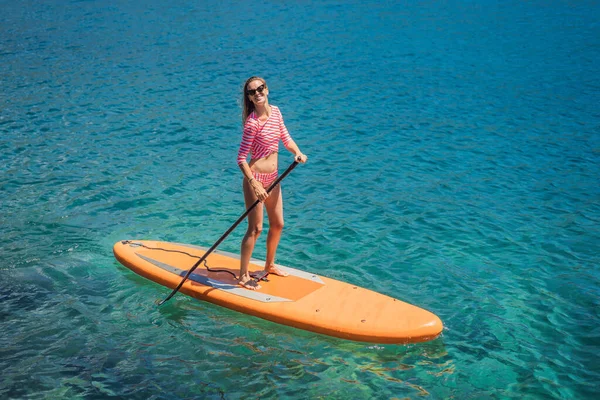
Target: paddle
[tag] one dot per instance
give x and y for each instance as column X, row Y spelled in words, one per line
column 218, row 242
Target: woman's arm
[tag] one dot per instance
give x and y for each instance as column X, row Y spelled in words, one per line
column 292, row 147
column 245, row 168
column 289, row 143
column 242, row 160
column 248, row 135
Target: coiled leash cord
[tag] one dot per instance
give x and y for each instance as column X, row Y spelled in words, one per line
column 181, row 252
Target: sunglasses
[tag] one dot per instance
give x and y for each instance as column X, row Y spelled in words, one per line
column 252, row 92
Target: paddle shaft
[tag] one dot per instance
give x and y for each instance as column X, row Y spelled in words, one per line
column 218, row 242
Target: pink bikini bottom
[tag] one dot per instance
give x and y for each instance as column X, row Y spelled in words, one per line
column 266, row 179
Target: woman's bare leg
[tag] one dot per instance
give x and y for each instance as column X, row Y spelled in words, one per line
column 255, row 223
column 274, row 206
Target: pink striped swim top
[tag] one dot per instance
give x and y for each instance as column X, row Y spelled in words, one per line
column 262, row 140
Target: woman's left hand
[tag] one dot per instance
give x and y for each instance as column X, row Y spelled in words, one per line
column 301, row 158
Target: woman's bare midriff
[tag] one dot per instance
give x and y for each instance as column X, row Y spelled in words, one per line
column 264, row 165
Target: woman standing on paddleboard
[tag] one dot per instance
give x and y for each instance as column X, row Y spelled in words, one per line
column 263, row 128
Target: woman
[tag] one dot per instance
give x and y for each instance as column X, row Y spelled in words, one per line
column 263, row 128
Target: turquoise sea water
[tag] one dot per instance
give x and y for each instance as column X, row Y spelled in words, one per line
column 454, row 164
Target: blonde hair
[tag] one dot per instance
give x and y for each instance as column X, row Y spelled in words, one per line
column 247, row 105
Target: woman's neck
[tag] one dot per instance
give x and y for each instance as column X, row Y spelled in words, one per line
column 262, row 110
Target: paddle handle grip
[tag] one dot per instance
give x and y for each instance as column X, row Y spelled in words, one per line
column 218, row 242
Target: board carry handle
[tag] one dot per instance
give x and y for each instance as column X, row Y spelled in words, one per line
column 218, row 242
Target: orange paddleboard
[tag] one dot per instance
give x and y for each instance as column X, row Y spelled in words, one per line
column 303, row 300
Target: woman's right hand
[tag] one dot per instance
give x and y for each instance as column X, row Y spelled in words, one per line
column 259, row 190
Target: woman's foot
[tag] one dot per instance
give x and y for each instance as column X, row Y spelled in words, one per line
column 249, row 283
column 272, row 269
